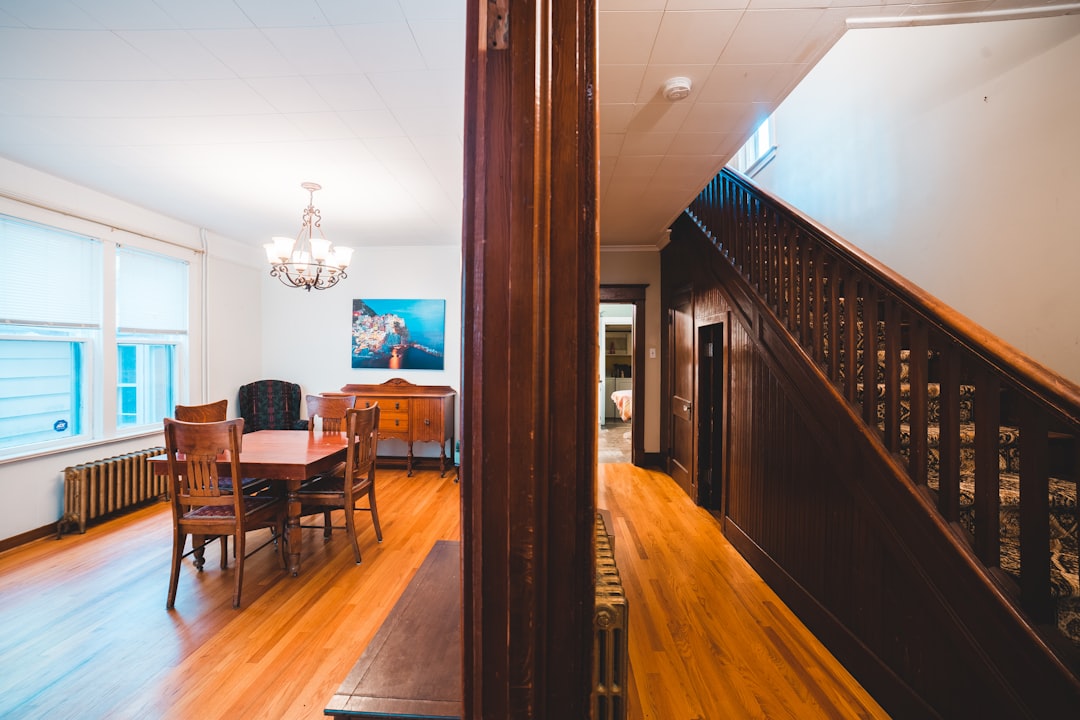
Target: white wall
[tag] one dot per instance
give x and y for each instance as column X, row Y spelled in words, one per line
column 952, row 155
column 618, row 267
column 307, row 335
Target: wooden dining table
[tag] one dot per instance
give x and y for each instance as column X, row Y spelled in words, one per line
column 288, row 458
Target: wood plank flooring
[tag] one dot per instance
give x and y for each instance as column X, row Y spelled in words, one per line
column 84, row 632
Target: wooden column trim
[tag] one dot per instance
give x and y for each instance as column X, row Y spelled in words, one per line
column 530, row 257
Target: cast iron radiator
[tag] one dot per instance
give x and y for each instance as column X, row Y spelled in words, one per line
column 101, row 487
column 609, row 633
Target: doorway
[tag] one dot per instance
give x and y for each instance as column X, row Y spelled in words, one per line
column 631, row 297
column 616, row 382
column 712, row 362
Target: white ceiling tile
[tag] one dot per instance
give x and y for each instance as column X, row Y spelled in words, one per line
column 742, row 83
column 699, row 143
column 719, row 117
column 420, row 121
column 224, row 97
column 421, row 89
column 647, row 143
column 205, row 14
column 710, row 4
column 372, row 123
column 319, row 125
column 313, row 51
column 610, row 144
column 248, row 53
column 127, row 14
column 356, row 12
column 382, row 48
column 632, row 4
column 72, row 55
column 283, row 13
column 770, row 36
column 50, row 15
column 289, row 94
column 442, row 44
column 434, row 10
column 694, row 37
column 638, row 166
column 177, row 54
column 626, row 38
column 616, row 118
column 659, row 116
column 620, row 83
column 346, row 93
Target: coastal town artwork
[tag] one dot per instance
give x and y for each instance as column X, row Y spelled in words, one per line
column 398, row 334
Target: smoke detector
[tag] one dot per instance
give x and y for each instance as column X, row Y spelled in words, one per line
column 676, row 88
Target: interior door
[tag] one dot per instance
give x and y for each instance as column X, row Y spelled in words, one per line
column 681, row 459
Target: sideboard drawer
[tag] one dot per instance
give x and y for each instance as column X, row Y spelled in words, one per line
column 393, row 422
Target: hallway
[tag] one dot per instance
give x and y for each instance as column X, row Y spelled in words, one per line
column 708, row 639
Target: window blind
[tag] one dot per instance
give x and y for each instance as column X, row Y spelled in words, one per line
column 151, row 293
column 51, row 276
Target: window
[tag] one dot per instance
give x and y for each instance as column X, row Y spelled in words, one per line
column 151, row 316
column 74, row 335
column 758, row 151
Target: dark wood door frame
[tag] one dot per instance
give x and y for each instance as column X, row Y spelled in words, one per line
column 530, row 281
column 633, row 295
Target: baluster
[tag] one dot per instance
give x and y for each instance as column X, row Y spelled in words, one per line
column 851, row 319
column 791, row 245
column 1035, row 513
column 805, row 293
column 949, row 430
column 870, row 351
column 987, row 481
column 917, row 370
column 835, row 338
column 892, row 374
column 819, row 303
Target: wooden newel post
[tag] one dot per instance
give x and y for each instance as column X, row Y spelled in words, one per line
column 529, row 410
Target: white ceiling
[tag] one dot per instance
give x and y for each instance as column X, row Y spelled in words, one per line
column 214, row 111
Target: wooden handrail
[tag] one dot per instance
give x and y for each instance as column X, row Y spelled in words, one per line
column 1040, row 382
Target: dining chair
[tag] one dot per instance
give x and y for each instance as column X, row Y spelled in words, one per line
column 343, row 491
column 328, row 411
column 201, row 507
column 210, row 412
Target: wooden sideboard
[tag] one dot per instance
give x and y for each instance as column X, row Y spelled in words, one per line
column 411, row 413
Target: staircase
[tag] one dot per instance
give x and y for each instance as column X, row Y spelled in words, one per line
column 952, row 457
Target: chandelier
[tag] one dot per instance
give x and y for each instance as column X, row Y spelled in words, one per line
column 307, row 261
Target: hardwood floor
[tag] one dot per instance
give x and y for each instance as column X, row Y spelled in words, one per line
column 708, row 639
column 84, row 632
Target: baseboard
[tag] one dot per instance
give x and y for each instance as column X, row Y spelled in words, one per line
column 892, row 693
column 654, row 461
column 28, row 536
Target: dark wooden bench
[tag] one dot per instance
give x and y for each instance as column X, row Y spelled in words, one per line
column 412, row 667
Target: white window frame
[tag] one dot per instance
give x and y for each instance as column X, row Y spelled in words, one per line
column 99, row 420
column 759, row 149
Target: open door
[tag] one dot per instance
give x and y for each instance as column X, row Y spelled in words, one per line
column 681, row 465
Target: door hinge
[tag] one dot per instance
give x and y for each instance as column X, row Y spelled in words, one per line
column 498, row 24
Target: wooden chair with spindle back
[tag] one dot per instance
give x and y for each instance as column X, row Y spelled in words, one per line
column 200, row 506
column 210, row 412
column 343, row 491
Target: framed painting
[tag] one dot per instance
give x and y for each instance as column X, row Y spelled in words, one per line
column 398, row 334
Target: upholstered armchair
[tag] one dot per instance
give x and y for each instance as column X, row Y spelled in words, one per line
column 270, row 405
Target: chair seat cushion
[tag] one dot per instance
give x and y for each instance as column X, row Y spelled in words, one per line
column 324, row 484
column 218, row 512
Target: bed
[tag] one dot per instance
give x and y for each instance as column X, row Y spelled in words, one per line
column 623, row 403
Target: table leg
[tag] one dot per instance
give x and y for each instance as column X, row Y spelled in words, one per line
column 408, row 461
column 292, row 526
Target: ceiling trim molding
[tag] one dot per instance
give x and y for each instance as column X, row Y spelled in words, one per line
column 858, row 23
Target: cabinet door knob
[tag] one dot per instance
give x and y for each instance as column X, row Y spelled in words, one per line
column 427, row 421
